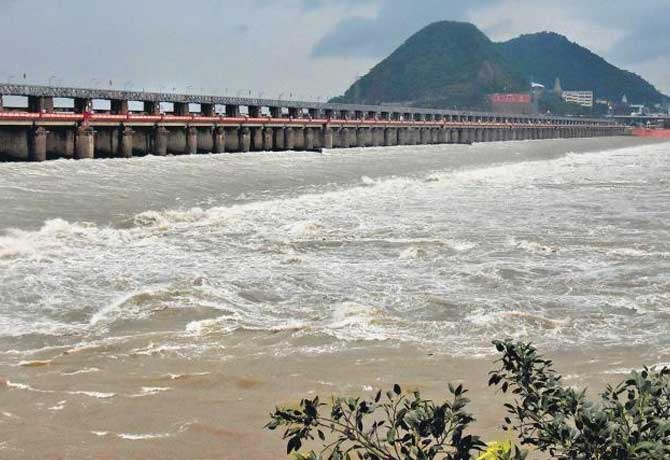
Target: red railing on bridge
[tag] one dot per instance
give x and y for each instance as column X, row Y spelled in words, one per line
column 88, row 117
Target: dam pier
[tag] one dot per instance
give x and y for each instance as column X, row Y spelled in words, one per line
column 149, row 123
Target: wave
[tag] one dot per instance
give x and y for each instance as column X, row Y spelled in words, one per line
column 145, row 436
column 534, row 246
column 24, row 387
column 132, row 436
column 351, row 263
column 86, row 370
column 35, row 363
column 92, row 394
column 136, row 305
column 413, row 252
column 144, row 391
column 150, row 391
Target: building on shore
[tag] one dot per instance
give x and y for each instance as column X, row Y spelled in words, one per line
column 520, row 103
column 558, row 88
column 583, row 98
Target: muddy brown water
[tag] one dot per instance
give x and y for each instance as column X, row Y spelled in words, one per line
column 158, row 308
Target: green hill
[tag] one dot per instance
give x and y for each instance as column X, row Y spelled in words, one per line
column 446, row 64
column 453, row 64
column 547, row 55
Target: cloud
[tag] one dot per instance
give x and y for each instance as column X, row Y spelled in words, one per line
column 533, row 16
column 257, row 45
column 647, row 37
column 626, row 32
column 312, row 48
column 311, row 5
column 395, row 21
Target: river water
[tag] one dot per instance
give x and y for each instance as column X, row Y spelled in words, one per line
column 158, row 308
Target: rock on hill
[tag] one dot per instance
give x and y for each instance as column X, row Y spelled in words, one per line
column 446, row 64
column 453, row 64
column 547, row 55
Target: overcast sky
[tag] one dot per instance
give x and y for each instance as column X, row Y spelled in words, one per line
column 309, row 49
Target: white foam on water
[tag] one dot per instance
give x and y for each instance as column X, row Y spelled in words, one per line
column 150, row 391
column 13, row 245
column 123, row 306
column 412, row 252
column 637, row 253
column 165, row 219
column 524, row 248
column 354, row 321
column 34, row 363
column 143, row 436
column 59, row 406
column 306, row 228
column 368, row 181
column 92, row 394
column 25, row 387
column 461, row 246
column 630, row 370
column 180, row 349
column 187, row 376
column 534, row 246
column 87, row 370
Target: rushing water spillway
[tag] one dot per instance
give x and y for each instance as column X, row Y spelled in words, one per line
column 159, row 308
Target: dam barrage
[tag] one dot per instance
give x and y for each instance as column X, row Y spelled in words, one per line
column 189, row 124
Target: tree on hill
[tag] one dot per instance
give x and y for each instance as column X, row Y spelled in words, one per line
column 447, row 64
column 454, row 65
column 547, row 55
column 552, row 103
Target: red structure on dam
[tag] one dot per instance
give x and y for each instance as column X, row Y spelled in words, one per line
column 651, row 132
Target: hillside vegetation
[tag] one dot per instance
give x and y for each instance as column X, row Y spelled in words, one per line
column 446, row 64
column 546, row 55
column 455, row 65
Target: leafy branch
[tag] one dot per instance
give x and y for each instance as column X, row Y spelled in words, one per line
column 400, row 426
column 630, row 421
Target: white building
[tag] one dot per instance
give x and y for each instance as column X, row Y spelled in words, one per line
column 583, row 98
column 637, row 109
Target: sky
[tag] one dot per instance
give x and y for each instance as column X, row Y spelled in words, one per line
column 301, row 49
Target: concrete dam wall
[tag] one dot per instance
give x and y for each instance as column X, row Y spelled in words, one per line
column 43, row 132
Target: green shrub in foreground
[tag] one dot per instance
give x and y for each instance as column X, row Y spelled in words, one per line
column 397, row 426
column 630, row 421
